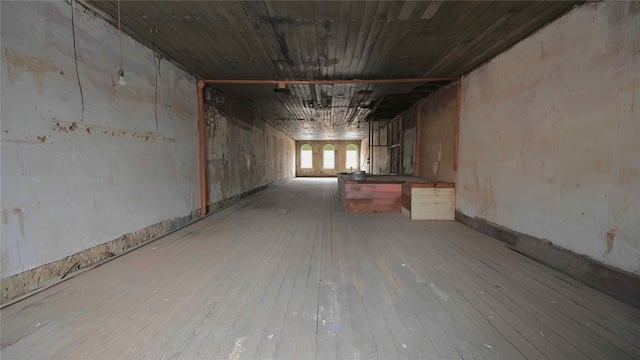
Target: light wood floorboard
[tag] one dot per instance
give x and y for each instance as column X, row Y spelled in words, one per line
column 287, row 274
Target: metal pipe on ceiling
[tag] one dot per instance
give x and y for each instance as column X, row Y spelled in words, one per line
column 202, row 140
column 326, row 82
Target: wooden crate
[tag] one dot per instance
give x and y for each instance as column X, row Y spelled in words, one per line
column 429, row 201
column 372, row 197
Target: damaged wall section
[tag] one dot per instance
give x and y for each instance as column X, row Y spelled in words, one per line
column 549, row 135
column 376, row 156
column 394, row 142
column 243, row 151
column 79, row 175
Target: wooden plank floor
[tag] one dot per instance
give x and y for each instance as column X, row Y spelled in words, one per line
column 287, row 274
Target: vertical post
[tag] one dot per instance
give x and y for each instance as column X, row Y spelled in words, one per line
column 370, row 145
column 202, row 141
column 457, row 137
column 380, row 143
column 416, row 165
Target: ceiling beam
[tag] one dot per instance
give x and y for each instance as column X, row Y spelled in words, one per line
column 327, row 82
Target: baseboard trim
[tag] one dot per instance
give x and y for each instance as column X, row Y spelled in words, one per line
column 617, row 283
column 19, row 286
column 24, row 284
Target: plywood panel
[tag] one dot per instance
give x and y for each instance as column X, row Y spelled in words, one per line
column 426, row 202
column 372, row 197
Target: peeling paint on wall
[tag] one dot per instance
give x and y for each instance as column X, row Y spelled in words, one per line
column 74, row 180
column 37, row 67
column 549, row 136
column 243, row 151
column 27, row 281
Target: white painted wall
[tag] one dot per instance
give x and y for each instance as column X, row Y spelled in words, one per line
column 119, row 171
column 550, row 135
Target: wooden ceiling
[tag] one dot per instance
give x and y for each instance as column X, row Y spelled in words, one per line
column 329, row 40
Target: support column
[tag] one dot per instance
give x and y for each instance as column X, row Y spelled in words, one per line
column 202, row 141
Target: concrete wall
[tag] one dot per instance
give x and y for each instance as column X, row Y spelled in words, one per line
column 71, row 181
column 243, row 151
column 318, row 146
column 437, row 135
column 550, row 135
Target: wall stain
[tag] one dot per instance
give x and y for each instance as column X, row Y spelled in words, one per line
column 20, row 215
column 17, row 63
column 66, row 126
column 239, row 145
column 610, row 236
column 627, row 176
column 19, row 284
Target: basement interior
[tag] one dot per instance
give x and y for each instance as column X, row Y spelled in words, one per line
column 320, row 179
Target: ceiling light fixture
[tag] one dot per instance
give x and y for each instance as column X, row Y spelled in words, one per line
column 121, row 79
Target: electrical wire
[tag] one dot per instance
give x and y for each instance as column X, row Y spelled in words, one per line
column 75, row 57
column 156, row 64
column 120, row 34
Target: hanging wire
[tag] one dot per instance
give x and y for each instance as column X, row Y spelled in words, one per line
column 156, row 64
column 120, row 34
column 75, row 58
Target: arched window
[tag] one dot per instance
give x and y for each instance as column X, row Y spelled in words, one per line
column 352, row 157
column 306, row 157
column 329, row 157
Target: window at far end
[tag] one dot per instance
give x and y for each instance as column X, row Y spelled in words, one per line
column 329, row 157
column 306, row 157
column 352, row 157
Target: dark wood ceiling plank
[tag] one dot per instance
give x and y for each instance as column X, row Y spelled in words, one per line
column 378, row 20
column 352, row 37
column 309, row 27
column 368, row 14
column 252, row 50
column 398, row 53
column 380, row 62
column 419, row 49
column 178, row 22
column 331, row 25
column 297, row 40
column 435, row 45
column 344, row 21
column 287, row 16
column 522, row 25
column 211, row 52
column 136, row 26
column 258, row 16
column 285, row 57
column 492, row 17
column 321, row 31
